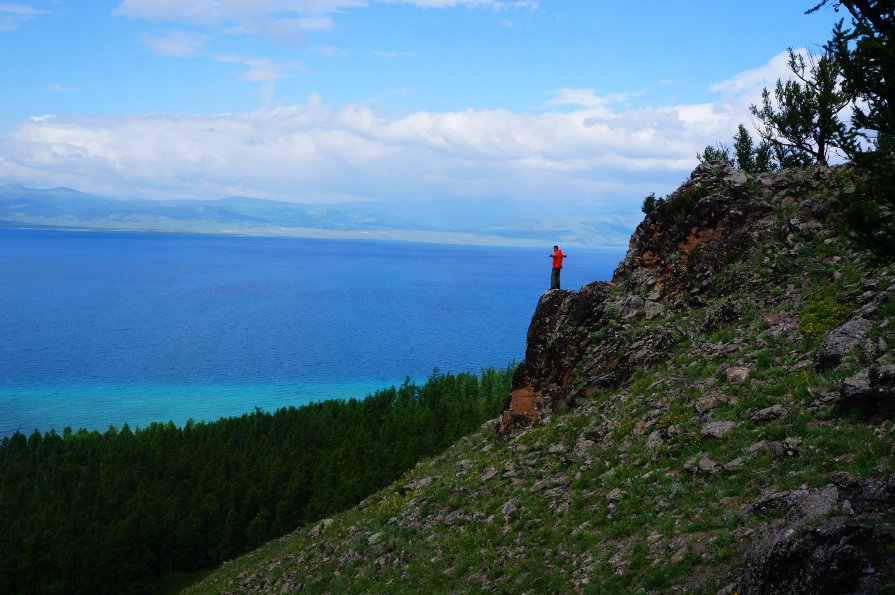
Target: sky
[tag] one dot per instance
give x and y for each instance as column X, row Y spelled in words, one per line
column 584, row 102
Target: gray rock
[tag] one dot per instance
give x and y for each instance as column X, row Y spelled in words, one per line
column 632, row 308
column 769, row 413
column 615, row 495
column 883, row 376
column 787, row 448
column 813, row 504
column 737, row 374
column 856, row 387
column 450, row 518
column 717, row 429
column 840, row 341
column 834, row 557
column 873, row 390
column 415, row 485
column 734, row 465
column 320, row 527
column 706, row 465
column 654, row 440
column 653, row 309
column 708, row 403
column 658, row 437
column 489, row 473
column 583, row 447
column 737, row 177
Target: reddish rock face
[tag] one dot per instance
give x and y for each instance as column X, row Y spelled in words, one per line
column 692, row 234
column 522, row 409
column 559, row 334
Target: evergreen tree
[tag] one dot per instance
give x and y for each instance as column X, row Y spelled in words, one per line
column 86, row 512
column 717, row 154
column 802, row 120
column 865, row 56
column 750, row 158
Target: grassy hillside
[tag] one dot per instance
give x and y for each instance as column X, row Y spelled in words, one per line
column 716, row 419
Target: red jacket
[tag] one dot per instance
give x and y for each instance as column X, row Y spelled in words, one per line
column 557, row 259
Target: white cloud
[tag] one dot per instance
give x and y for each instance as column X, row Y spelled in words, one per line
column 14, row 15
column 263, row 71
column 326, row 50
column 175, row 43
column 584, row 97
column 766, row 75
column 495, row 5
column 582, row 147
column 322, row 152
column 60, row 88
column 284, row 21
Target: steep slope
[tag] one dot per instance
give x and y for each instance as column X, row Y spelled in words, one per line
column 718, row 418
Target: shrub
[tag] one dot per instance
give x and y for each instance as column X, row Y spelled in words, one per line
column 819, row 316
column 649, row 204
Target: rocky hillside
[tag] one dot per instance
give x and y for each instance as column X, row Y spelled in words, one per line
column 718, row 418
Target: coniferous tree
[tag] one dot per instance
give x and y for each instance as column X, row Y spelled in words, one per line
column 717, row 154
column 865, row 55
column 802, row 121
column 85, row 512
column 750, row 158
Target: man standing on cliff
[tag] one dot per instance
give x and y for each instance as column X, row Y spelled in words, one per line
column 557, row 257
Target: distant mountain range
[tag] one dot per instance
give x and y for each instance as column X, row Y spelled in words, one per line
column 497, row 221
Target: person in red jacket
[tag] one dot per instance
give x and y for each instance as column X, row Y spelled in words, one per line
column 557, row 257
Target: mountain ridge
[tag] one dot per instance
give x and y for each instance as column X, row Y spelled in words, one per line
column 444, row 221
column 717, row 419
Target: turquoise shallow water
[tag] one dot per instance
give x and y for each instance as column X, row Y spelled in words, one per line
column 98, row 406
column 105, row 328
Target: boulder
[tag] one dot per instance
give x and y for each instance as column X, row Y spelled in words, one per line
column 815, row 554
column 840, row 341
column 832, row 558
column 737, row 374
column 769, row 413
column 872, row 391
column 717, row 429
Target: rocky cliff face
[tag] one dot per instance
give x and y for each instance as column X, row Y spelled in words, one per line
column 717, row 419
column 713, row 223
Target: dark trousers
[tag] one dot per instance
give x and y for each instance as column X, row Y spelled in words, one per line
column 554, row 278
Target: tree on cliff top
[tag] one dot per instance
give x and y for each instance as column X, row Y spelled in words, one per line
column 866, row 57
column 802, row 122
column 745, row 154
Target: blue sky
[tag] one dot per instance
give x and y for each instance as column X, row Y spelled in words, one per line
column 326, row 100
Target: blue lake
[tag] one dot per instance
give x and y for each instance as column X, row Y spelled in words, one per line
column 102, row 329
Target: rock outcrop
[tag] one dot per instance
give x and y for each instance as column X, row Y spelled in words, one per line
column 712, row 220
column 848, row 551
column 560, row 332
